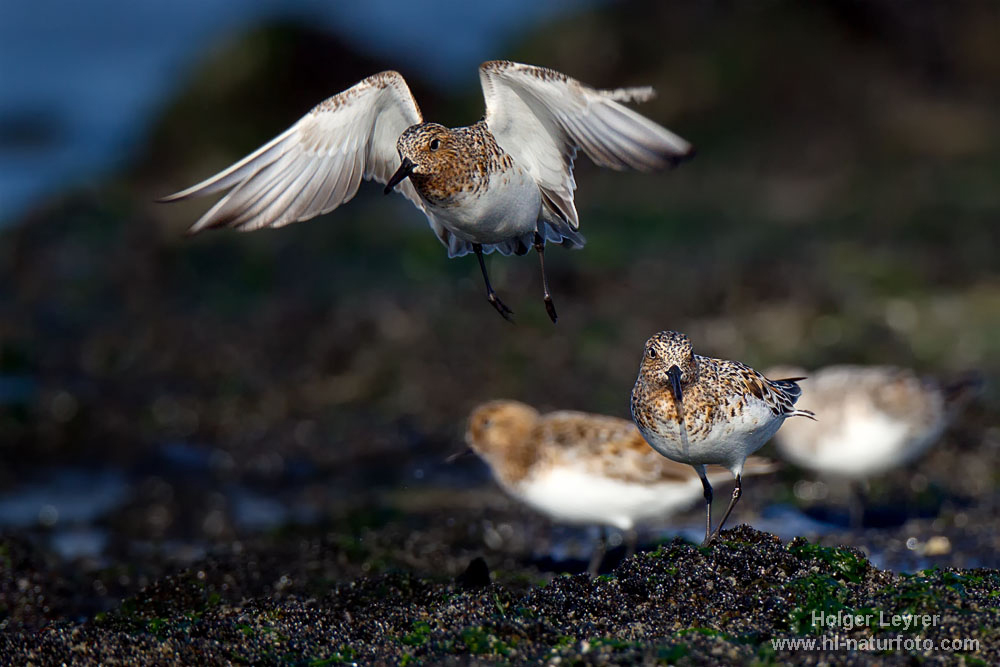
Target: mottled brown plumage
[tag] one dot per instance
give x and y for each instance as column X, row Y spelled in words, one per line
column 515, row 438
column 503, row 184
column 715, row 391
column 699, row 410
column 452, row 161
column 577, row 467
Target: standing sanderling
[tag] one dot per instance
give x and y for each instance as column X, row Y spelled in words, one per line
column 875, row 418
column 505, row 183
column 698, row 410
column 584, row 468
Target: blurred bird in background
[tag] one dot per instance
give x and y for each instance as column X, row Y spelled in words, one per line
column 875, row 419
column 582, row 468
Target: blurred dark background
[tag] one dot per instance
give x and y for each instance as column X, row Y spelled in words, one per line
column 163, row 395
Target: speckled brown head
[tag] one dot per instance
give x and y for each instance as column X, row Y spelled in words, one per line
column 427, row 146
column 499, row 432
column 429, row 154
column 443, row 162
column 669, row 361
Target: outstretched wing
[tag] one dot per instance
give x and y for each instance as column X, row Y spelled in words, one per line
column 317, row 164
column 541, row 117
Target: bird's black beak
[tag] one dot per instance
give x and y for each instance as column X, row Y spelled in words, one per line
column 459, row 455
column 675, row 380
column 404, row 171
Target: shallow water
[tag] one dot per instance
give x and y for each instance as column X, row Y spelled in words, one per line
column 76, row 511
column 64, row 496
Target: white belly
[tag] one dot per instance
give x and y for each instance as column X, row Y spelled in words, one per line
column 862, row 444
column 509, row 207
column 728, row 443
column 574, row 496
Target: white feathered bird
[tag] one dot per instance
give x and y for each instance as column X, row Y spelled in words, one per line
column 505, row 183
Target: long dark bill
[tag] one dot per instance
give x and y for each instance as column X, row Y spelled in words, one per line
column 459, row 455
column 675, row 380
column 404, row 171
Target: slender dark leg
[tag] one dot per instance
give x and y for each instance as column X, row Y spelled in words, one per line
column 597, row 557
column 708, row 504
column 549, row 306
column 737, row 492
column 504, row 311
column 631, row 541
column 858, row 500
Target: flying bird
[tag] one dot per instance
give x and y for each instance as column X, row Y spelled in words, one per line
column 504, row 183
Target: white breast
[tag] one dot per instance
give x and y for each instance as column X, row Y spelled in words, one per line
column 572, row 495
column 864, row 442
column 507, row 208
column 728, row 443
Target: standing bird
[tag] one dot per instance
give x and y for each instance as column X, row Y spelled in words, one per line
column 583, row 468
column 505, row 183
column 698, row 410
column 876, row 418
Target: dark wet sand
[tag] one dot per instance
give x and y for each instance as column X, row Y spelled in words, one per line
column 679, row 603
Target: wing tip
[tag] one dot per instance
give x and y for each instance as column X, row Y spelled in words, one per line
column 197, row 190
column 680, row 158
column 201, row 225
column 166, row 199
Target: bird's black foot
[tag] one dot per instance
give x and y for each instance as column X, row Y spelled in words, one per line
column 501, row 307
column 713, row 538
column 550, row 308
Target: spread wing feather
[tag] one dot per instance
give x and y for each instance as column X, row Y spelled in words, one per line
column 318, row 163
column 541, row 118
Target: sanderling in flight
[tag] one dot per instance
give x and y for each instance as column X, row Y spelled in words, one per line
column 505, row 183
column 698, row 410
column 875, row 418
column 583, row 468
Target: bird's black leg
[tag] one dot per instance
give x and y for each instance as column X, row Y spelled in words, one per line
column 858, row 501
column 597, row 557
column 631, row 542
column 708, row 504
column 737, row 492
column 504, row 311
column 549, row 306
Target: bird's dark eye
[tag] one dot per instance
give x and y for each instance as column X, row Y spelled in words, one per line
column 651, row 353
column 435, row 144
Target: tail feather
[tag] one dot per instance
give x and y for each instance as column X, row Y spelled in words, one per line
column 789, row 386
column 758, row 465
column 964, row 388
column 789, row 392
column 753, row 466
